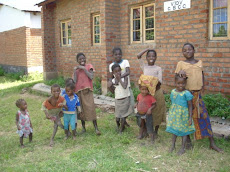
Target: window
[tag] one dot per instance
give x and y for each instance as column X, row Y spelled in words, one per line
column 66, row 33
column 96, row 29
column 142, row 24
column 219, row 19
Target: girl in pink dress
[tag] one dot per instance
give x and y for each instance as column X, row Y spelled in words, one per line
column 23, row 121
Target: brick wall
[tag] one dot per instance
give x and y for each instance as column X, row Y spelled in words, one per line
column 20, row 49
column 13, row 47
column 173, row 29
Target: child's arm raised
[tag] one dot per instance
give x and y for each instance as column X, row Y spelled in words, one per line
column 139, row 55
column 17, row 120
column 190, row 112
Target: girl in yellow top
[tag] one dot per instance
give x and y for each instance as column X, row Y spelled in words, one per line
column 193, row 69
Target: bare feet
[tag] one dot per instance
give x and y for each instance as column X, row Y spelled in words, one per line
column 69, row 133
column 171, row 149
column 126, row 124
column 98, row 132
column 140, row 136
column 51, row 143
column 22, row 146
column 214, row 147
column 83, row 130
column 181, row 152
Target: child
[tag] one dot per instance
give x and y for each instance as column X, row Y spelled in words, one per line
column 159, row 113
column 180, row 114
column 145, row 104
column 125, row 72
column 67, row 81
column 23, row 121
column 69, row 110
column 122, row 97
column 193, row 69
column 52, row 108
column 83, row 76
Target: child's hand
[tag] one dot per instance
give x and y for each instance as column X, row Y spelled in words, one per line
column 182, row 73
column 60, row 104
column 118, row 77
column 190, row 121
column 19, row 128
column 81, row 67
column 149, row 111
column 75, row 68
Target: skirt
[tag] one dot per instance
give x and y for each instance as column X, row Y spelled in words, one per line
column 201, row 118
column 87, row 105
column 123, row 107
column 159, row 112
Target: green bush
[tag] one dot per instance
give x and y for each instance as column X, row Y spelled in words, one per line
column 1, row 71
column 167, row 101
column 15, row 76
column 97, row 86
column 217, row 105
column 32, row 77
column 59, row 80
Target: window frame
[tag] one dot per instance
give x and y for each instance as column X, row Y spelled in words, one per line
column 67, row 34
column 93, row 25
column 142, row 23
column 211, row 22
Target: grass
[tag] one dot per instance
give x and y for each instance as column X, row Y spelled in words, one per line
column 108, row 152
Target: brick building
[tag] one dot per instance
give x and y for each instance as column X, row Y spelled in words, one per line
column 96, row 27
column 20, row 37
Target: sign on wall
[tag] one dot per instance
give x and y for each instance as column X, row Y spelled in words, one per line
column 176, row 5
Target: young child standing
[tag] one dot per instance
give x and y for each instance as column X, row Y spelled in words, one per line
column 193, row 69
column 159, row 112
column 122, row 97
column 180, row 114
column 145, row 104
column 23, row 121
column 83, row 76
column 125, row 72
column 52, row 108
column 69, row 110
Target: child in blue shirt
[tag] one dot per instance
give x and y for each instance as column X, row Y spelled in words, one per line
column 69, row 110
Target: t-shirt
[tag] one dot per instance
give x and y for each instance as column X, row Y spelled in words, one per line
column 123, row 64
column 194, row 74
column 154, row 70
column 144, row 103
column 83, row 81
column 119, row 91
column 71, row 104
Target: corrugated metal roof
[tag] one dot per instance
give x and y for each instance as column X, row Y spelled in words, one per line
column 23, row 5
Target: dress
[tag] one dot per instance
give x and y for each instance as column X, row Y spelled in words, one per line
column 194, row 84
column 123, row 106
column 70, row 115
column 84, row 90
column 178, row 118
column 159, row 112
column 24, row 124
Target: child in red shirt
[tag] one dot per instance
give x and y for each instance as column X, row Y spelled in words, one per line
column 145, row 105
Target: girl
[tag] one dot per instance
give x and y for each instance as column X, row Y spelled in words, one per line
column 180, row 114
column 145, row 104
column 122, row 97
column 23, row 121
column 159, row 113
column 69, row 110
column 193, row 69
column 125, row 72
column 83, row 76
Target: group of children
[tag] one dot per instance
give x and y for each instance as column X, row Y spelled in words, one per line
column 187, row 113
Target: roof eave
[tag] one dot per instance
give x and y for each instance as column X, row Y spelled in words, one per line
column 45, row 2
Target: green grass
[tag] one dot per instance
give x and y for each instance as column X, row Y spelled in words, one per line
column 108, row 152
